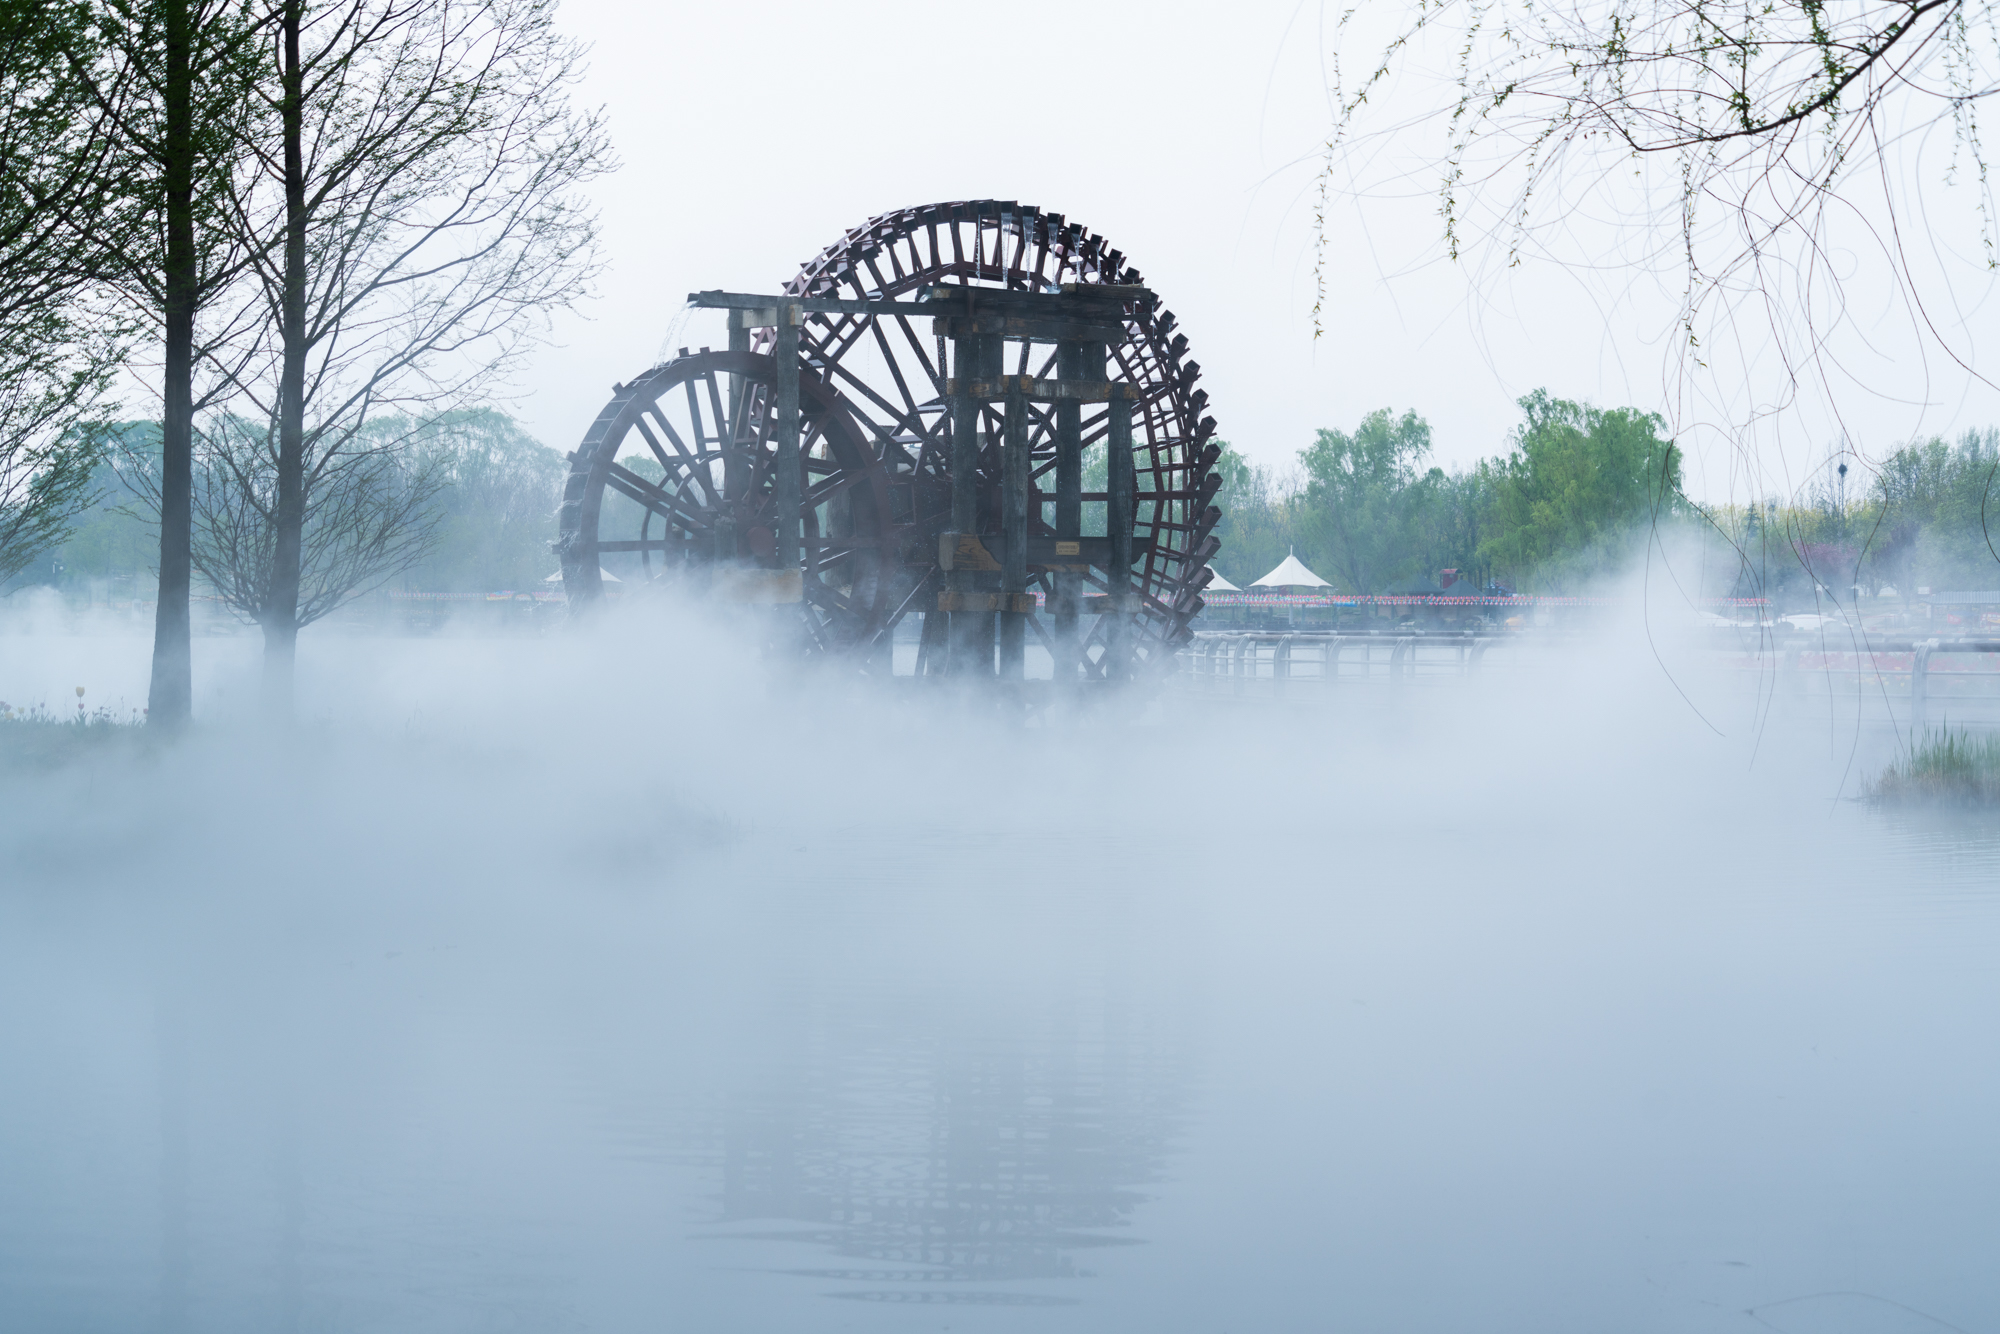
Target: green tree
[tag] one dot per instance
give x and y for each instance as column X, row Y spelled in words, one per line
column 1366, row 496
column 1578, row 487
column 59, row 184
column 1257, row 513
column 1456, row 520
column 1940, row 506
column 115, row 538
column 496, row 504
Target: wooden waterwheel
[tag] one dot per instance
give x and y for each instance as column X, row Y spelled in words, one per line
column 875, row 420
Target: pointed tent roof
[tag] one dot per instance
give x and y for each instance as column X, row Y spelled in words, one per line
column 1291, row 574
column 1220, row 585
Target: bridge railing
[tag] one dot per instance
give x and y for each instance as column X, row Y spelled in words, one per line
column 1915, row 683
column 1920, row 682
column 1271, row 663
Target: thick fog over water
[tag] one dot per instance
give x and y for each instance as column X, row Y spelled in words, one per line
column 611, row 981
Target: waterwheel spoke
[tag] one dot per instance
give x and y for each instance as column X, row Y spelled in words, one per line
column 933, row 370
column 696, row 466
column 895, row 370
column 838, row 481
column 722, row 419
column 763, row 455
column 910, row 421
column 657, row 499
column 707, row 465
column 822, row 594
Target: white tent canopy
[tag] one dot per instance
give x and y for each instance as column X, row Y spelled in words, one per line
column 1290, row 574
column 1220, row 585
column 602, row 573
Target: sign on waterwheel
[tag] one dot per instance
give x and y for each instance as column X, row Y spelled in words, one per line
column 984, row 419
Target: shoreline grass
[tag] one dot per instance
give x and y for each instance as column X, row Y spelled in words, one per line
column 40, row 737
column 1943, row 767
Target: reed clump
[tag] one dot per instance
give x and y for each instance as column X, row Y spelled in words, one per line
column 1952, row 767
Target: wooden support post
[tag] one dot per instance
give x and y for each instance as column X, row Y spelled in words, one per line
column 1074, row 361
column 1920, row 689
column 934, row 646
column 1122, row 486
column 992, row 365
column 785, row 488
column 967, row 358
column 734, row 479
column 982, row 638
column 1014, row 483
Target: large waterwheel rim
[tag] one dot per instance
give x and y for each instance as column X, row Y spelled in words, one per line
column 901, row 404
column 825, row 420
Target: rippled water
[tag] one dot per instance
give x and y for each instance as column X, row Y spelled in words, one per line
column 1434, row 1015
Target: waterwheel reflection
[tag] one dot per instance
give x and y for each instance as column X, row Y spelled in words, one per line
column 932, row 1154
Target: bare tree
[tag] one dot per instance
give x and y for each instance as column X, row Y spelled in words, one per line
column 1732, row 93
column 412, row 218
column 370, row 515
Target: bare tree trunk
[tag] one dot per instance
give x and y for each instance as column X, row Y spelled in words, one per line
column 170, row 696
column 281, row 617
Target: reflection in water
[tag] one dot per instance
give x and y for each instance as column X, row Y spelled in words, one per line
column 929, row 1149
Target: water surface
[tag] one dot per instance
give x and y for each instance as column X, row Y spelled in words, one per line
column 577, row 994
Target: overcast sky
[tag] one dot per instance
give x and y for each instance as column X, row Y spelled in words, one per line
column 752, row 135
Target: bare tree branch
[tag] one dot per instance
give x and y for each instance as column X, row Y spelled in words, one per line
column 417, row 215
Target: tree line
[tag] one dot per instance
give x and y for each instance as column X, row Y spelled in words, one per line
column 1926, row 518
column 312, row 230
column 1368, row 511
column 473, row 506
column 1580, row 489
